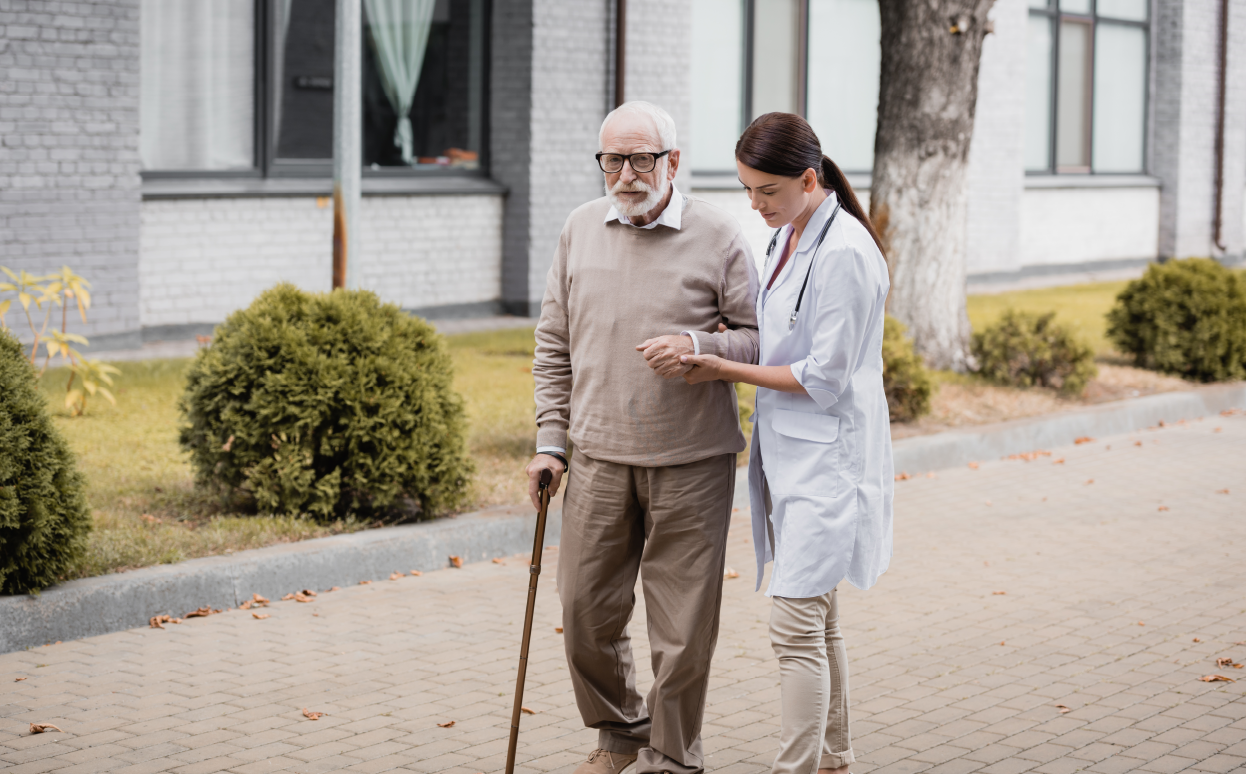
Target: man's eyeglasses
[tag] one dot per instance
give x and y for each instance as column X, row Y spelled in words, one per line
column 641, row 162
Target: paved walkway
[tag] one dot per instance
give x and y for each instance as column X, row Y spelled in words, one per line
column 1016, row 587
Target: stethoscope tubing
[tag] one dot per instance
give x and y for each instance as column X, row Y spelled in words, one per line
column 791, row 321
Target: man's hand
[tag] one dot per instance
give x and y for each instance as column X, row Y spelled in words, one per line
column 663, row 354
column 707, row 368
column 543, row 462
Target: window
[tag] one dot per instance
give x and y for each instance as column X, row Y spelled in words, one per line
column 205, row 61
column 817, row 58
column 1086, row 86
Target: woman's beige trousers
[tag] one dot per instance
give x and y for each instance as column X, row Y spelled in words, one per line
column 813, row 675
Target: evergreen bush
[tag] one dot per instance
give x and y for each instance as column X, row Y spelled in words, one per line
column 327, row 404
column 1026, row 349
column 1186, row 318
column 44, row 519
column 905, row 378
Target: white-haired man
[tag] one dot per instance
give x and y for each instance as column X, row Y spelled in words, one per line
column 641, row 277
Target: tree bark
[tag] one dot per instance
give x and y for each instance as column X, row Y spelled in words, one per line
column 928, row 90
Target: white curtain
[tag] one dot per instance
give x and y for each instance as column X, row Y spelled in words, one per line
column 399, row 30
column 197, row 104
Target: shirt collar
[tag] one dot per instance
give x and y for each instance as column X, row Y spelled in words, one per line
column 670, row 216
column 816, row 221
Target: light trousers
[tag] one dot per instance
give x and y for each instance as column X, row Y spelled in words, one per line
column 813, row 678
column 670, row 525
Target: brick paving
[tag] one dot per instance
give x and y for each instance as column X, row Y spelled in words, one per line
column 1111, row 607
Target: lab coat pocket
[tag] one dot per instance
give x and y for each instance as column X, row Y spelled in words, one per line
column 807, row 455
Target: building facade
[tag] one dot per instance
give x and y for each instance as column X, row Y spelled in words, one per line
column 177, row 152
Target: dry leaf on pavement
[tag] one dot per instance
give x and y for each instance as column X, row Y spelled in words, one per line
column 1163, row 507
column 416, row 573
column 39, row 728
column 287, row 597
column 1142, row 623
column 903, row 476
column 1083, row 439
column 730, row 573
column 312, row 715
column 1222, row 491
column 446, row 725
column 259, row 616
column 301, row 597
column 557, row 630
column 456, row 561
column 498, row 560
column 1137, row 443
column 1225, row 661
column 259, row 601
column 364, row 583
column 246, row 605
column 156, row 620
column 1058, row 462
column 527, row 711
column 395, row 575
column 202, row 612
column 1063, row 709
column 18, row 679
column 1029, row 456
column 1196, row 639
column 1089, row 481
column 973, row 466
column 998, row 593
column 1217, row 679
column 335, row 588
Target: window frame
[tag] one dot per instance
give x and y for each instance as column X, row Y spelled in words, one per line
column 1055, row 17
column 264, row 164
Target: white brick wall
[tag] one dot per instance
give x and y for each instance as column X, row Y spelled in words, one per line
column 1078, row 225
column 204, row 258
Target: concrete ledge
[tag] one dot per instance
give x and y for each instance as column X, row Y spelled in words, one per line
column 110, row 603
column 990, row 442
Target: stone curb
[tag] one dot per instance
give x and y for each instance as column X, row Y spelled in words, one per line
column 110, row 603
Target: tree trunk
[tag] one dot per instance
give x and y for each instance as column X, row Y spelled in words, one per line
column 928, row 89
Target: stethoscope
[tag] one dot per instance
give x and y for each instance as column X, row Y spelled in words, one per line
column 791, row 321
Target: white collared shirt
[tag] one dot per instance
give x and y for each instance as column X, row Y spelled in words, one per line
column 670, row 216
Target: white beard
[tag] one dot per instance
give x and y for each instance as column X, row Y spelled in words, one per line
column 651, row 200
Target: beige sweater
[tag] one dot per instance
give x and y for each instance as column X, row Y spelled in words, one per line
column 612, row 286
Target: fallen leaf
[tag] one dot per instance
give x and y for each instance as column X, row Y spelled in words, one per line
column 998, row 593
column 498, row 560
column 156, row 620
column 395, row 575
column 903, row 476
column 1058, row 462
column 246, row 605
column 931, row 474
column 1108, row 447
column 335, row 588
column 39, row 728
column 416, row 573
column 308, row 593
column 1217, row 679
column 312, row 715
column 1222, row 491
column 1029, row 456
column 1086, row 439
column 1196, row 639
column 259, row 601
column 259, row 616
column 558, row 630
column 447, row 725
column 1001, row 642
column 527, row 711
column 202, row 612
column 1218, row 430
column 1163, row 507
column 364, row 583
column 973, row 466
column 456, row 561
column 1141, row 623
column 1063, row 709
column 730, row 573
column 1137, row 443
column 287, row 597
column 18, row 679
column 1225, row 661
column 1089, row 481
column 1231, row 412
column 301, row 597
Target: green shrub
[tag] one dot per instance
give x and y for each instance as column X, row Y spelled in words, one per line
column 1025, row 349
column 327, row 404
column 44, row 518
column 905, row 378
column 1186, row 318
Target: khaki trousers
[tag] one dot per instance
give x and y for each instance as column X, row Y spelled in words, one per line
column 813, row 679
column 670, row 524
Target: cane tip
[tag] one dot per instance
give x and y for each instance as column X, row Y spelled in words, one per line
column 546, row 477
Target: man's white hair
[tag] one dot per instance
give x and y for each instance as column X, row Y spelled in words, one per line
column 663, row 124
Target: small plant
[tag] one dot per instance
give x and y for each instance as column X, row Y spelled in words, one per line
column 328, row 404
column 1186, row 318
column 44, row 518
column 59, row 290
column 906, row 380
column 1025, row 349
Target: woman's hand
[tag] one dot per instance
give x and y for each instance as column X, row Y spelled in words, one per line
column 706, row 368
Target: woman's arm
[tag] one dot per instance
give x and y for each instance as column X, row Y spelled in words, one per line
column 711, row 367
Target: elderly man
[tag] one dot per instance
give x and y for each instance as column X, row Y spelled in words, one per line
column 641, row 277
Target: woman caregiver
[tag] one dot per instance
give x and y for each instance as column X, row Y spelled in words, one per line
column 820, row 468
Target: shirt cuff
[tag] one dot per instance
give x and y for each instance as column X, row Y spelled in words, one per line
column 557, row 449
column 696, row 343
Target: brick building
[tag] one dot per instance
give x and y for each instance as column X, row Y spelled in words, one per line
column 176, row 152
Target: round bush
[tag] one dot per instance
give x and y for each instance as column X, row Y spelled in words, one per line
column 327, row 404
column 44, row 518
column 905, row 378
column 1025, row 349
column 1186, row 318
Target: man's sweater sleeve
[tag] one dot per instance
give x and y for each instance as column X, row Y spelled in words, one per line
column 737, row 299
column 551, row 368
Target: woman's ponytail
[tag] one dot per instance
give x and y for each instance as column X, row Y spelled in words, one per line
column 784, row 144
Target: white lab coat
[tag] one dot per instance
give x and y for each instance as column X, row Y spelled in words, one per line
column 825, row 457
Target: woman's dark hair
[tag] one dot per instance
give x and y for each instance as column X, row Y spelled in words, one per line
column 784, row 144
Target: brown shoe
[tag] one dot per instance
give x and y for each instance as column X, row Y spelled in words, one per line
column 605, row 762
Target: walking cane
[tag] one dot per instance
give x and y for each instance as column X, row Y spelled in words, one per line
column 534, row 572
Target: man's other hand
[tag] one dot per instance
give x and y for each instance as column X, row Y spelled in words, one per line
column 543, row 462
column 663, row 353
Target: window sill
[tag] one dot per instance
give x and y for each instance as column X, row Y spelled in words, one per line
column 239, row 187
column 1090, row 181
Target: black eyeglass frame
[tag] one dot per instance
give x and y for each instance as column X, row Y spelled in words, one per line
column 627, row 159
